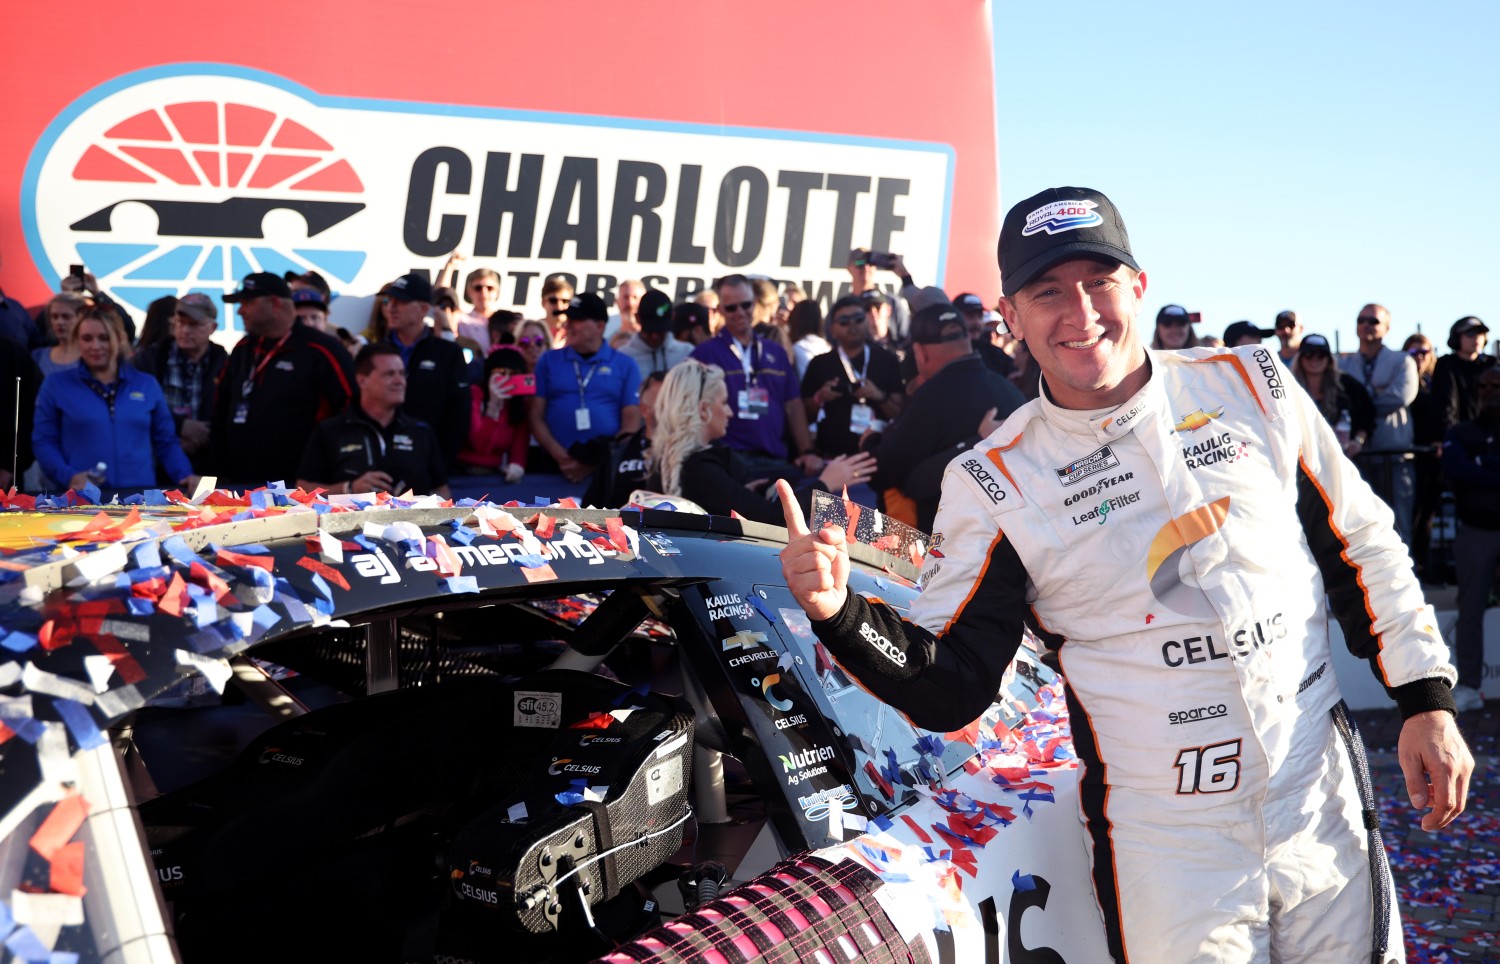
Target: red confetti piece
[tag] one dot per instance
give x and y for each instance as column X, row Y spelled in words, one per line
column 568, row 503
column 325, row 570
column 594, row 721
column 227, row 557
column 125, row 664
column 201, row 574
column 544, row 525
column 916, row 828
column 853, row 525
column 67, row 870
column 6, row 733
column 617, row 536
column 175, row 599
column 60, row 825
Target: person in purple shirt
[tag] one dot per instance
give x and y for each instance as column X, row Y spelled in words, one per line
column 763, row 388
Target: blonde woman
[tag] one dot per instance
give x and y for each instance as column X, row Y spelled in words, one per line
column 689, row 460
column 63, row 312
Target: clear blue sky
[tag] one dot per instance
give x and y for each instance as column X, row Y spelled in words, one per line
column 1310, row 155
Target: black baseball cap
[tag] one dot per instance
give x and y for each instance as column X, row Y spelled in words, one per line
column 1057, row 225
column 1241, row 329
column 937, row 323
column 1314, row 342
column 968, row 302
column 1173, row 313
column 655, row 311
column 688, row 315
column 412, row 286
column 261, row 284
column 586, row 307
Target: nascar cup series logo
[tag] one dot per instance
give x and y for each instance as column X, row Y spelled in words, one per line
column 189, row 183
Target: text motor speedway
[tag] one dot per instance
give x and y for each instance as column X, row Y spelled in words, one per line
column 168, row 177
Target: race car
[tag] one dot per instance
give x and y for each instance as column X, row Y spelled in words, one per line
column 282, row 726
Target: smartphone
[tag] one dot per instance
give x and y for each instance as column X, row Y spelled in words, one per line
column 882, row 259
column 76, row 271
column 521, row 384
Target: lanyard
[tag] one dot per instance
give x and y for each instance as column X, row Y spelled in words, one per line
column 583, row 383
column 751, row 364
column 254, row 378
column 864, row 365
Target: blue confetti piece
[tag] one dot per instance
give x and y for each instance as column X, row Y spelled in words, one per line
column 930, row 745
column 25, row 944
column 63, row 957
column 7, row 920
column 155, row 497
column 363, row 541
column 640, row 691
column 263, row 618
column 26, row 727
column 243, row 516
column 321, row 587
column 760, row 607
column 882, row 583
column 134, row 498
column 91, row 494
column 18, row 642
column 1022, row 882
column 530, row 560
column 146, row 555
column 461, row 584
column 208, row 640
column 321, row 507
column 462, row 534
column 882, row 823
column 569, row 798
column 139, row 606
column 180, row 552
column 261, row 499
column 80, row 723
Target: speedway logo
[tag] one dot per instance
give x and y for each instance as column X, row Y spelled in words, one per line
column 1060, row 216
column 1096, row 461
column 187, row 177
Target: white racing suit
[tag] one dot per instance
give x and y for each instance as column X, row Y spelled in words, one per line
column 1174, row 554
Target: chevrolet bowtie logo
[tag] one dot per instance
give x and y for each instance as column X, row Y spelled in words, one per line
column 744, row 639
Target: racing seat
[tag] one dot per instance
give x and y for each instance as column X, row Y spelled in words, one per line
column 604, row 807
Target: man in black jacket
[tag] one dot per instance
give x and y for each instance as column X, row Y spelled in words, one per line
column 437, row 373
column 1471, row 460
column 942, row 417
column 188, row 365
column 1455, row 380
column 281, row 379
column 855, row 387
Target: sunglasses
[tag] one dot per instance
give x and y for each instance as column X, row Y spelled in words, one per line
column 849, row 319
column 1367, row 320
column 1420, row 352
column 729, row 309
column 531, row 340
column 557, row 301
column 1170, row 322
column 1317, row 353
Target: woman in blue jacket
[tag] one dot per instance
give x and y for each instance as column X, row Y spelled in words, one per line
column 103, row 410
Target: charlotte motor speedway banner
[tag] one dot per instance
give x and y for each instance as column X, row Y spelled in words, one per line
column 665, row 143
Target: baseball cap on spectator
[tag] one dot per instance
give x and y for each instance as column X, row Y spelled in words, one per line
column 874, row 296
column 968, row 302
column 412, row 286
column 688, row 316
column 936, row 323
column 586, row 307
column 199, row 306
column 261, row 284
column 1315, row 343
column 1174, row 314
column 1243, row 329
column 1057, row 225
column 310, row 278
column 1288, row 318
column 654, row 313
column 1464, row 326
column 444, row 297
column 309, row 296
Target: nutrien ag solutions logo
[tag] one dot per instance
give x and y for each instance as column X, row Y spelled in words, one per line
column 190, row 183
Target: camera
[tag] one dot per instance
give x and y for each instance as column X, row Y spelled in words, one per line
column 882, row 259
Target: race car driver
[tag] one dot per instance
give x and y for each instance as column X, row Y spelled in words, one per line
column 1176, row 526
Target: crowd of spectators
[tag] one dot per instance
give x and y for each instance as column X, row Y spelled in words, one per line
column 709, row 400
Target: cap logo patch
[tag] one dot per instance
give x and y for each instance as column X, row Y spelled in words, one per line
column 1060, row 216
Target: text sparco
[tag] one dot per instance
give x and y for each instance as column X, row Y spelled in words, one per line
column 1269, row 372
column 986, row 481
column 885, row 646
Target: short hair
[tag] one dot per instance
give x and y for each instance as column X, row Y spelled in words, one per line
column 477, row 274
column 730, row 280
column 364, row 362
column 555, row 283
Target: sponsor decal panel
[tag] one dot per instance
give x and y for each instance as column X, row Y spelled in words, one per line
column 1098, row 488
column 816, row 805
column 729, row 606
column 1196, row 419
column 1099, row 514
column 1242, row 642
column 1213, row 450
column 187, row 177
